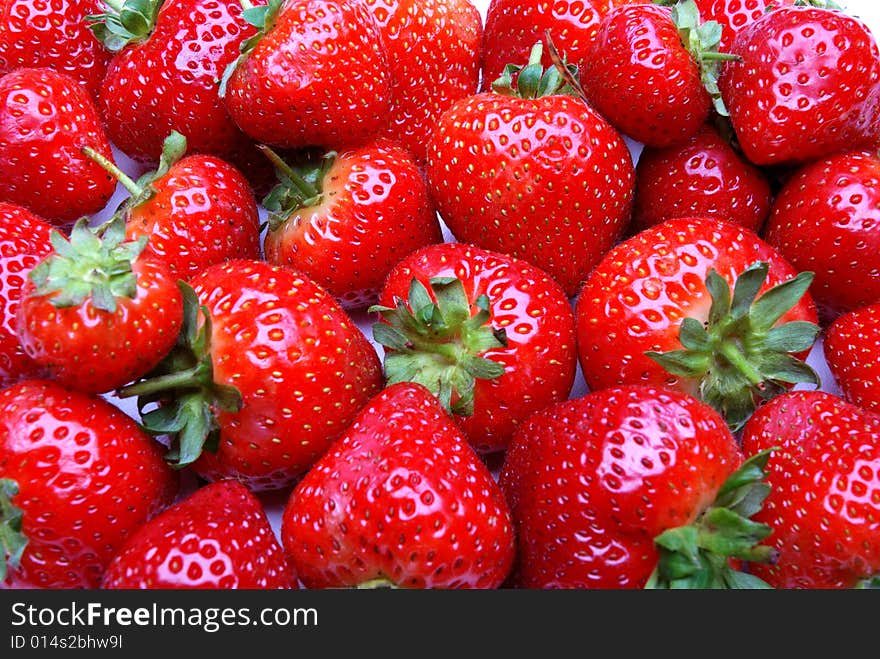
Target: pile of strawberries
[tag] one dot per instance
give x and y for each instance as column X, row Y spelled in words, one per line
column 688, row 288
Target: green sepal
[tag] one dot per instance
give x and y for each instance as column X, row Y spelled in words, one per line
column 533, row 80
column 819, row 4
column 12, row 541
column 261, row 17
column 124, row 22
column 871, row 583
column 300, row 184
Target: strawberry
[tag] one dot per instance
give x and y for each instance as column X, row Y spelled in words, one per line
column 826, row 219
column 734, row 15
column 267, row 372
column 490, row 335
column 799, row 67
column 823, row 504
column 702, row 177
column 77, row 478
column 350, row 218
column 631, row 487
column 852, row 352
column 24, row 242
column 658, row 310
column 316, row 74
column 217, row 538
column 45, row 120
column 390, row 506
column 98, row 313
column 531, row 171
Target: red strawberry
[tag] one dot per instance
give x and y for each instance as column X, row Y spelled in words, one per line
column 802, row 66
column 852, row 352
column 490, row 335
column 45, row 120
column 824, row 479
column 269, row 372
column 350, row 218
column 532, row 172
column 826, row 218
column 628, row 487
column 658, row 310
column 734, row 15
column 55, row 35
column 24, row 242
column 401, row 500
column 315, row 75
column 703, row 177
column 217, row 538
column 77, row 478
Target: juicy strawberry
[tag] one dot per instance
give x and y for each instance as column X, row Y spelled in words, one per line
column 852, row 352
column 390, row 506
column 822, row 506
column 217, row 538
column 83, row 477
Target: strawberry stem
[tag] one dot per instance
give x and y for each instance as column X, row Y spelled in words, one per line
column 308, row 190
column 110, row 167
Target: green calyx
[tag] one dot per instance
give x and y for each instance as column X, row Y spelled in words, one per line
column 183, row 390
column 439, row 344
column 299, row 186
column 740, row 356
column 818, row 4
column 261, row 17
column 377, row 584
column 124, row 22
column 698, row 556
column 534, row 81
column 12, row 540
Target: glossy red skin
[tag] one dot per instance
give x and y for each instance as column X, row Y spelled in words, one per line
column 24, row 242
column 826, row 219
column 374, row 210
column 514, row 26
column 702, row 177
column 592, row 481
column 45, row 120
column 852, row 352
column 401, row 497
column 829, row 81
column 203, row 213
column 169, row 81
column 96, row 351
column 539, row 360
column 635, row 299
column 319, row 77
column 640, row 77
column 218, row 538
column 433, row 51
column 546, row 180
column 88, row 478
column 302, row 366
column 734, row 15
column 38, row 33
column 823, row 504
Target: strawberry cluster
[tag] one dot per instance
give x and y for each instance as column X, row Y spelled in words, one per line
column 674, row 202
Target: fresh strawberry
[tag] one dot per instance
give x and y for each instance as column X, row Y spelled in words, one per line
column 658, row 310
column 734, row 15
column 55, row 35
column 826, row 218
column 316, row 74
column 24, row 242
column 268, row 371
column 631, row 487
column 46, row 118
column 852, row 352
column 217, row 538
column 490, row 335
column 349, row 218
column 703, row 177
column 803, row 67
column 824, row 478
column 77, row 478
column 531, row 171
column 399, row 500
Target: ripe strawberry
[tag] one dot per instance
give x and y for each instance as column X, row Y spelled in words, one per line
column 490, row 335
column 734, row 15
column 348, row 219
column 217, row 538
column 268, row 371
column 826, row 219
column 399, row 500
column 316, row 74
column 77, row 478
column 24, row 242
column 45, row 120
column 824, row 477
column 703, row 177
column 802, row 66
column 531, row 171
column 852, row 352
column 658, row 310
column 628, row 487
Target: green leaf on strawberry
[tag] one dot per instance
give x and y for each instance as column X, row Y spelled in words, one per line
column 124, row 22
column 261, row 17
column 12, row 540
